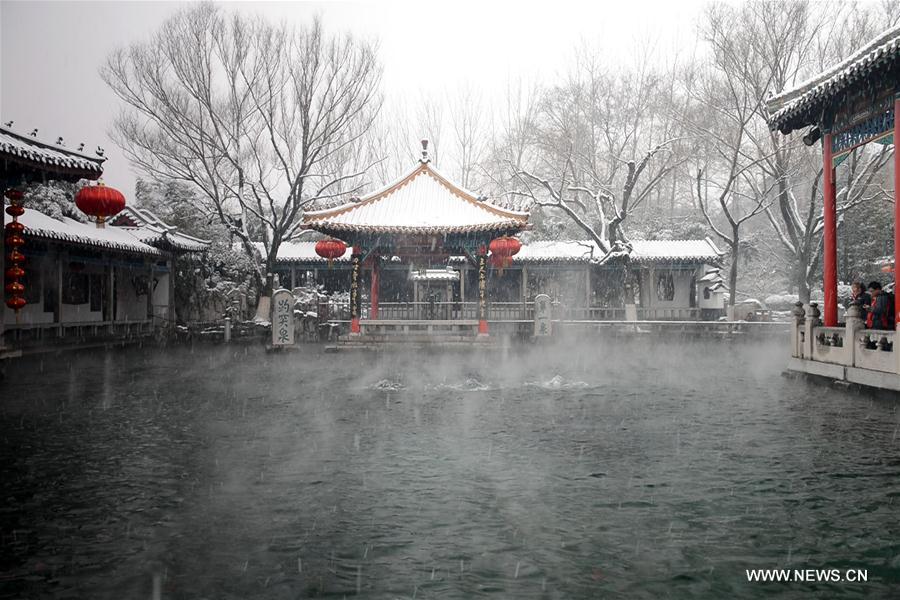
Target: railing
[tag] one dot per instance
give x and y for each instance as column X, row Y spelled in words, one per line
column 500, row 311
column 829, row 346
column 35, row 332
column 849, row 346
column 668, row 314
column 875, row 350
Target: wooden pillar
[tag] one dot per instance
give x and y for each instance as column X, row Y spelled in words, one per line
column 829, row 262
column 587, row 285
column 896, row 207
column 373, row 292
column 293, row 277
column 524, row 292
column 150, row 291
column 3, row 262
column 482, row 291
column 355, row 296
column 170, row 312
column 111, row 295
column 463, row 271
column 57, row 312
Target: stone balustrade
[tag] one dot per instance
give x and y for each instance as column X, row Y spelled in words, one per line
column 852, row 352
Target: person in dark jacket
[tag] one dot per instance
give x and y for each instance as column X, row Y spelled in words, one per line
column 881, row 310
column 860, row 297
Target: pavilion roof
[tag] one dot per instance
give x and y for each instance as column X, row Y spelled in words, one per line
column 27, row 152
column 803, row 105
column 150, row 229
column 421, row 202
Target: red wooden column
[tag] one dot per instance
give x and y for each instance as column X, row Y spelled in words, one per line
column 373, row 293
column 830, row 250
column 896, row 205
column 482, row 291
column 355, row 296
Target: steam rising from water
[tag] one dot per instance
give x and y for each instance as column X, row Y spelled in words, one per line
column 586, row 469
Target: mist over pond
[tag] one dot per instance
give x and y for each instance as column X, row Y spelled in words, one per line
column 611, row 469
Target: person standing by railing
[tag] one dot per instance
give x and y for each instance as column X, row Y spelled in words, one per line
column 881, row 310
column 860, row 297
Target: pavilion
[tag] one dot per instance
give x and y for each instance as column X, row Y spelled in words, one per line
column 851, row 104
column 422, row 219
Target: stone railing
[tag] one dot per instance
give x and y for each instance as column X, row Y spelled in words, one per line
column 851, row 346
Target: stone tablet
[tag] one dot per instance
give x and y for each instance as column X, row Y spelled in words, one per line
column 542, row 312
column 282, row 318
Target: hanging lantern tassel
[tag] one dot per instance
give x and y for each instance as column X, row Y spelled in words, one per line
column 15, row 239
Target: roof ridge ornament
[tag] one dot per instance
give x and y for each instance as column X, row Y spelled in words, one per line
column 425, row 158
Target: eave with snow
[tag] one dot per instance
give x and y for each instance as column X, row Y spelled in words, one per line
column 25, row 158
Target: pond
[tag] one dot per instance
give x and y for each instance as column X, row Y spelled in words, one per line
column 614, row 469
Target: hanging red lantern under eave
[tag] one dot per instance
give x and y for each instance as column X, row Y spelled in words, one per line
column 504, row 248
column 15, row 239
column 16, row 302
column 99, row 201
column 330, row 249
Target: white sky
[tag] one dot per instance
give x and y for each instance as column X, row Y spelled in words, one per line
column 50, row 52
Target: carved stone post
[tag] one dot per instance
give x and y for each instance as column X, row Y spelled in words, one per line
column 812, row 321
column 853, row 317
column 797, row 317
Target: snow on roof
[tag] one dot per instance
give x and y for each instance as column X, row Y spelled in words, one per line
column 303, row 252
column 44, row 156
column 150, row 229
column 674, row 250
column 39, row 225
column 788, row 108
column 447, row 274
column 422, row 202
column 642, row 251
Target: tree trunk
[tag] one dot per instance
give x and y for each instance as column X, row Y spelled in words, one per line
column 733, row 272
column 263, row 307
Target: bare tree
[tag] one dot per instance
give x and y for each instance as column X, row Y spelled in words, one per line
column 260, row 118
column 605, row 143
column 767, row 47
column 467, row 126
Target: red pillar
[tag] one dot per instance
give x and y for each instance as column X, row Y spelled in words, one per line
column 896, row 206
column 355, row 296
column 373, row 293
column 830, row 251
column 482, row 291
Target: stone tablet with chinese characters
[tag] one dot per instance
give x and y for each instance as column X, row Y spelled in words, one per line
column 282, row 318
column 542, row 311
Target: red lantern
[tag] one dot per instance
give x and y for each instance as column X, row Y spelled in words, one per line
column 16, row 302
column 15, row 239
column 504, row 248
column 15, row 227
column 15, row 272
column 15, row 288
column 330, row 249
column 99, row 201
